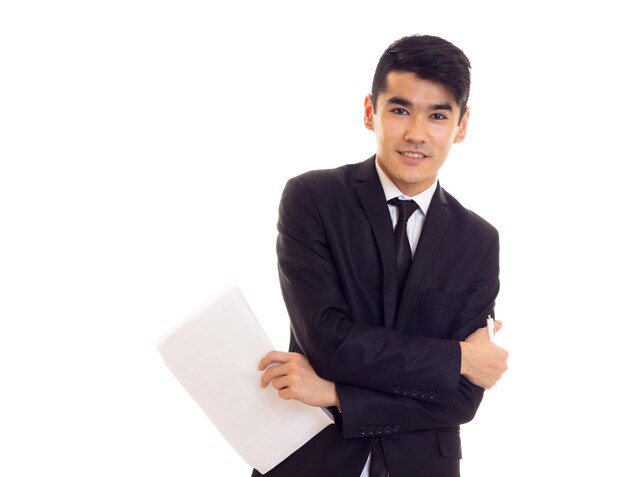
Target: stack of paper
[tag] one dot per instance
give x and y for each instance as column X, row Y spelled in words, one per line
column 214, row 354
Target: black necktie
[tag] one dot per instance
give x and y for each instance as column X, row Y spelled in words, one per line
column 403, row 248
column 378, row 466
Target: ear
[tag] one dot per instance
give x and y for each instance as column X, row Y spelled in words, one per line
column 460, row 135
column 368, row 118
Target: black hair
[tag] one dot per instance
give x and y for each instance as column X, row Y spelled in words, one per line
column 429, row 57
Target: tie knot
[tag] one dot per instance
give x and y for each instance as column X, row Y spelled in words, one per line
column 405, row 208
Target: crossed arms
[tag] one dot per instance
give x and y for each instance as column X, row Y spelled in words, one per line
column 354, row 365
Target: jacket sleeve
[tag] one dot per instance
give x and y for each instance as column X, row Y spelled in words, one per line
column 340, row 349
column 367, row 412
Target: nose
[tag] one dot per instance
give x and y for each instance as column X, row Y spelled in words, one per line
column 416, row 132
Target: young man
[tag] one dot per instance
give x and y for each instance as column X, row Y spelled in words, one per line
column 388, row 299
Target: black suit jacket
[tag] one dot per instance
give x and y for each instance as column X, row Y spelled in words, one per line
column 396, row 362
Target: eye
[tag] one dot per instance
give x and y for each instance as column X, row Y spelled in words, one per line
column 438, row 116
column 401, row 111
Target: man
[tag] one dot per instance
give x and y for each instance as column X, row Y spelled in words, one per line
column 394, row 345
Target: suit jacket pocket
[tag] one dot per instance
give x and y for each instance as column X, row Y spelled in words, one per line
column 435, row 313
column 450, row 443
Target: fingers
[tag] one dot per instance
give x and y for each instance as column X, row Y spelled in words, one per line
column 273, row 357
column 281, row 382
column 278, row 363
column 283, row 377
column 279, row 357
column 272, row 373
column 481, row 334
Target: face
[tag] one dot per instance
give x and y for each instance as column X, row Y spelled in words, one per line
column 416, row 122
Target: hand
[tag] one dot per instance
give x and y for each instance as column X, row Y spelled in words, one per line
column 483, row 362
column 295, row 378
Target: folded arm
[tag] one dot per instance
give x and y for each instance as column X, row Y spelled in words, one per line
column 381, row 373
column 366, row 412
column 340, row 348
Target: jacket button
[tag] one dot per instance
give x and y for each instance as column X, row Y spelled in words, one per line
column 362, row 430
column 413, row 392
column 379, row 430
column 432, row 395
column 396, row 428
column 387, row 429
column 396, row 389
column 371, row 430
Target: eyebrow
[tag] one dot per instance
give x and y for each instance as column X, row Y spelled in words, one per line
column 400, row 101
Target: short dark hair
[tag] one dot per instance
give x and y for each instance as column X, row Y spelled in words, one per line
column 429, row 57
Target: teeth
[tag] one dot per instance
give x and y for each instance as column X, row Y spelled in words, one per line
column 413, row 155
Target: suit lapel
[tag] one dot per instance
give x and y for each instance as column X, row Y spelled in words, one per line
column 432, row 234
column 372, row 199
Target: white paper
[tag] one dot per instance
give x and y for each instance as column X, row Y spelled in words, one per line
column 214, row 354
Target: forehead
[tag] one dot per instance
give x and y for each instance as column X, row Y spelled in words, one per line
column 417, row 90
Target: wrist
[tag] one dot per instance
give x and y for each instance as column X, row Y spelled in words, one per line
column 334, row 396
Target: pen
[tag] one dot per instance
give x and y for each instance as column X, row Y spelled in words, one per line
column 491, row 328
column 491, row 331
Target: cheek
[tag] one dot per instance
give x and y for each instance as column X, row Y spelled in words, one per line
column 445, row 139
column 390, row 135
column 382, row 137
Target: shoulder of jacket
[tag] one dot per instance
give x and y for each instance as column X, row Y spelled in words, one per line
column 467, row 218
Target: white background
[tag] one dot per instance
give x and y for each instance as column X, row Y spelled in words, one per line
column 144, row 146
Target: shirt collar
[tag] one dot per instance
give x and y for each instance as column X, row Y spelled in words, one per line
column 391, row 190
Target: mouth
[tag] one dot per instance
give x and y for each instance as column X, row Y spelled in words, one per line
column 413, row 154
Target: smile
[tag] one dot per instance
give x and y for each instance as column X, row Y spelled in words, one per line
column 413, row 155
